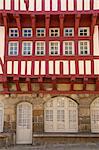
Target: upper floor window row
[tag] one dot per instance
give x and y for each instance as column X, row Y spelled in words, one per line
column 54, row 48
column 53, row 32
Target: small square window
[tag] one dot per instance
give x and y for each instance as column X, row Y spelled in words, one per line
column 27, row 32
column 54, row 32
column 40, row 32
column 68, row 31
column 13, row 32
column 84, row 31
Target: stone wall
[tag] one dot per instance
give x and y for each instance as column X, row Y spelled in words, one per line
column 37, row 100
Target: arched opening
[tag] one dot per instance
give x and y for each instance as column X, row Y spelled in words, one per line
column 24, row 123
column 95, row 116
column 1, row 117
column 61, row 115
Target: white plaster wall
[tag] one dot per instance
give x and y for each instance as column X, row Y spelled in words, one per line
column 72, row 67
column 29, row 66
column 22, row 5
column 15, row 70
column 9, row 67
column 70, row 5
column 16, row 4
column 1, row 71
column 36, row 68
column 54, row 5
column 96, row 67
column 79, row 4
column 51, row 71
column 39, row 5
column 8, row 4
column 57, row 67
column 43, row 72
column 96, row 4
column 1, row 4
column 65, row 68
column 81, row 67
column 63, row 5
column 31, row 5
column 88, row 66
column 86, row 4
column 47, row 5
column 2, row 42
column 96, row 40
column 23, row 65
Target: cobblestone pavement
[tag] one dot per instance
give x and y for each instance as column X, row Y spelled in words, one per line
column 88, row 146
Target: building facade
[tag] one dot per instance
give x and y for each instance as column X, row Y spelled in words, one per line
column 49, row 69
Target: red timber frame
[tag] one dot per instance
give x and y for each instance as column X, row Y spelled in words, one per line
column 50, row 79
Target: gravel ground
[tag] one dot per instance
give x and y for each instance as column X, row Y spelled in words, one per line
column 87, row 146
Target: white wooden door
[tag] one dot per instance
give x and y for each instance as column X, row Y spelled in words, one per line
column 1, row 117
column 24, row 123
column 95, row 116
column 61, row 115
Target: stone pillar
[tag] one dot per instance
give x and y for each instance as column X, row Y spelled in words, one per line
column 38, row 121
column 84, row 118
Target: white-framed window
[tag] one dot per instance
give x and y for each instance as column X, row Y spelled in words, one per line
column 13, row 32
column 94, row 109
column 40, row 48
column 84, row 47
column 13, row 48
column 68, row 47
column 27, row 32
column 54, row 48
column 54, row 32
column 49, row 115
column 1, row 117
column 84, row 31
column 68, row 31
column 62, row 117
column 40, row 32
column 27, row 48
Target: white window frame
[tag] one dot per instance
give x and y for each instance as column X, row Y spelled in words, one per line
column 23, row 34
column 87, row 33
column 36, row 50
column 12, row 35
column 94, row 109
column 72, row 50
column 54, row 32
column 88, row 45
column 65, row 113
column 68, row 33
column 40, row 29
column 23, row 48
column 2, row 123
column 58, row 42
column 9, row 46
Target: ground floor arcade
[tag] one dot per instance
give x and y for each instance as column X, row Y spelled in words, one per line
column 39, row 114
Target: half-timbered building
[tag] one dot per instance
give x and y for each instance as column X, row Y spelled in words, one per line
column 49, row 70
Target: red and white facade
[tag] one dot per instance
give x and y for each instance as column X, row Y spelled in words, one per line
column 51, row 46
column 67, row 31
